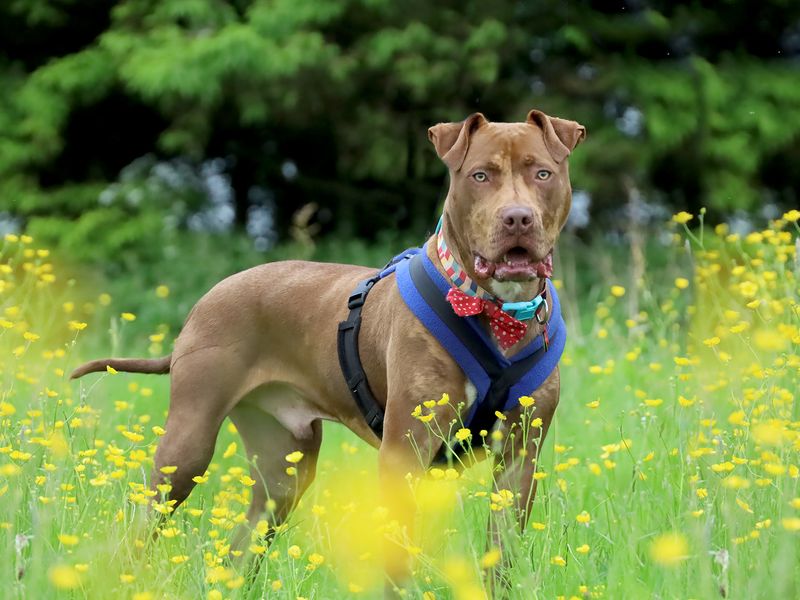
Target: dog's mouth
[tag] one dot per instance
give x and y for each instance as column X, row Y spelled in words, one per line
column 516, row 264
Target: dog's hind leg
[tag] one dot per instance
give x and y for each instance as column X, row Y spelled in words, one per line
column 269, row 440
column 201, row 393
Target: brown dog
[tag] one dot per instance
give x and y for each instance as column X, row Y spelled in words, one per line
column 260, row 347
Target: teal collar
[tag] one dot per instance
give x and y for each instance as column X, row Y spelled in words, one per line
column 523, row 311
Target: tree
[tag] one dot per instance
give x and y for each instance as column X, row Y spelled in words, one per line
column 328, row 101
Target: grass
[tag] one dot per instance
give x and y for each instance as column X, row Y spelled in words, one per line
column 671, row 470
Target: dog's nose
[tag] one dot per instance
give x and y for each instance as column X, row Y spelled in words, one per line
column 516, row 219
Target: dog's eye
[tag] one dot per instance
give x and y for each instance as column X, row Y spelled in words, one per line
column 543, row 174
column 480, row 176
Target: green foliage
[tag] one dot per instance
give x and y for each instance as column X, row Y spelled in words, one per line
column 730, row 117
column 345, row 89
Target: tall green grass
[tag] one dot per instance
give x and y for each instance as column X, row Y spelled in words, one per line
column 671, row 469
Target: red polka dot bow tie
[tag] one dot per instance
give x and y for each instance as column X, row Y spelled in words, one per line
column 506, row 329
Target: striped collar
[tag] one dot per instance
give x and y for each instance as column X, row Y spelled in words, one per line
column 459, row 278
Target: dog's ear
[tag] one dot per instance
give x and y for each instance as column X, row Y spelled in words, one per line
column 451, row 140
column 560, row 135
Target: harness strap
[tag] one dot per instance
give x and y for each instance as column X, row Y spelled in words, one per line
column 350, row 361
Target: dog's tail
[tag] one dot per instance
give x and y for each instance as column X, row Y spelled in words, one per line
column 157, row 366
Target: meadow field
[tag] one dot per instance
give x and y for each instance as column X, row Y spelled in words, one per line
column 672, row 469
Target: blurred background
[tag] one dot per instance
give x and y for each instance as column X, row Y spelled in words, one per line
column 181, row 140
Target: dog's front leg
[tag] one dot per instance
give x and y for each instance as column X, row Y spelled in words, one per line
column 523, row 440
column 406, row 450
column 398, row 467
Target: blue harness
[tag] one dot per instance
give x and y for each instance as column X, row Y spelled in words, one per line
column 499, row 381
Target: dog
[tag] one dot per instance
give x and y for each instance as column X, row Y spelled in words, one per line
column 260, row 346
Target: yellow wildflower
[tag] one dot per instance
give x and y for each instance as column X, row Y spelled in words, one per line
column 526, row 401
column 230, row 450
column 791, row 523
column 64, row 577
column 316, row 559
column 669, row 549
column 68, row 539
column 490, row 559
column 294, row 457
column 463, row 434
column 682, row 217
column 792, row 216
column 132, row 436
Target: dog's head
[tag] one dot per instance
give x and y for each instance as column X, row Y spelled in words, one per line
column 509, row 194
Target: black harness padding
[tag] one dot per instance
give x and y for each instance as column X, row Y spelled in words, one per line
column 350, row 360
column 502, row 377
